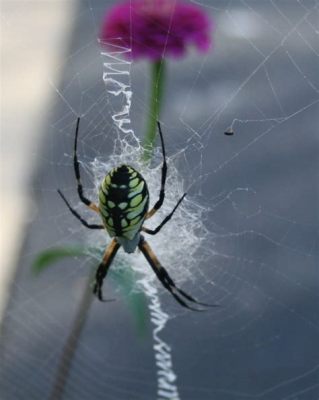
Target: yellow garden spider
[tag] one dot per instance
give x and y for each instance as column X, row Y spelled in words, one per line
column 123, row 207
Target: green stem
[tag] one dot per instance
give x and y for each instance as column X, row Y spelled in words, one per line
column 157, row 82
column 71, row 344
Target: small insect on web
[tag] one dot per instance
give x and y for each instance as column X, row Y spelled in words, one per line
column 229, row 132
column 123, row 207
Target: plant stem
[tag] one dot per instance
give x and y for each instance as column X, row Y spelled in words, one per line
column 71, row 343
column 157, row 82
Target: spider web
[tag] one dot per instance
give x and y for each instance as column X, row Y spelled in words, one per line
column 246, row 236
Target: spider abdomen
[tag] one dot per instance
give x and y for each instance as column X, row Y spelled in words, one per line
column 123, row 202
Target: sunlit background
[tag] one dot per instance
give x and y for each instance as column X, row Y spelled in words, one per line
column 35, row 38
column 256, row 192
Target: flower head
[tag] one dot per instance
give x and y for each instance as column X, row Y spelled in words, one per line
column 154, row 29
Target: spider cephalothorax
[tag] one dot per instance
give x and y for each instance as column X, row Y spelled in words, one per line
column 123, row 207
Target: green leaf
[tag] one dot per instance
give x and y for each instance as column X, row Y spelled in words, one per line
column 53, row 255
column 124, row 278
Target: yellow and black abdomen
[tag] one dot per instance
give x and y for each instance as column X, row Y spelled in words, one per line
column 123, row 202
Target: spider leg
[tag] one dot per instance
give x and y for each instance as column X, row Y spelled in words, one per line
column 76, row 165
column 103, row 268
column 160, row 201
column 78, row 216
column 166, row 280
column 165, row 220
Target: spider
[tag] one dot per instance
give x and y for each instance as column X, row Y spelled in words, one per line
column 123, row 208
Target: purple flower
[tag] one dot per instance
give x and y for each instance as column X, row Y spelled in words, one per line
column 156, row 28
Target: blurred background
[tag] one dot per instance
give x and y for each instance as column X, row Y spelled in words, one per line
column 258, row 190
